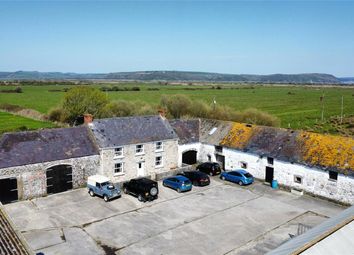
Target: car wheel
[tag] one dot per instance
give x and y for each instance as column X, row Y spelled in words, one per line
column 92, row 194
column 125, row 190
column 195, row 183
column 179, row 190
column 140, row 198
column 222, row 178
column 153, row 191
column 240, row 183
column 105, row 198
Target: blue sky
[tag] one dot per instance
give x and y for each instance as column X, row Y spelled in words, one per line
column 255, row 37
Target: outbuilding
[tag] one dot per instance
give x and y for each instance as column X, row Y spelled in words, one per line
column 45, row 162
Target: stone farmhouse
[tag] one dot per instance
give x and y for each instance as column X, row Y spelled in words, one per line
column 135, row 146
column 49, row 161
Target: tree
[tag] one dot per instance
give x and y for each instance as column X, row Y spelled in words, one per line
column 81, row 100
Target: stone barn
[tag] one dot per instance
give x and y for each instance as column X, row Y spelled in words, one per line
column 322, row 165
column 45, row 162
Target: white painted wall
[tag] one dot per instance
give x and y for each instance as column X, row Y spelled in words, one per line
column 187, row 147
column 314, row 180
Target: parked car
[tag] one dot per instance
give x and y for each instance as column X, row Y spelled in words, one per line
column 101, row 186
column 241, row 177
column 196, row 177
column 211, row 168
column 143, row 188
column 178, row 183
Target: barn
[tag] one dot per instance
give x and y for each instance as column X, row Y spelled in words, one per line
column 45, row 162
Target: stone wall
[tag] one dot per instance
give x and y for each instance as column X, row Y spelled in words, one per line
column 315, row 181
column 31, row 179
column 130, row 161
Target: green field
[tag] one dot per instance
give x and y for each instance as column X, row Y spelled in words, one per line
column 10, row 122
column 296, row 106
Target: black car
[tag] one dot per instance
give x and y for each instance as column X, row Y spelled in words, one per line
column 211, row 168
column 143, row 188
column 197, row 178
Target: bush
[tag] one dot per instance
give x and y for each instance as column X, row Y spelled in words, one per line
column 80, row 100
column 255, row 116
column 176, row 105
column 56, row 114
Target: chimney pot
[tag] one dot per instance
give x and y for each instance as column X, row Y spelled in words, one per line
column 88, row 118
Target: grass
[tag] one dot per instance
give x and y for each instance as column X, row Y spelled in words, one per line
column 10, row 123
column 296, row 106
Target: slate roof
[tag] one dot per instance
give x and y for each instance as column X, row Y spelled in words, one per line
column 187, row 130
column 24, row 148
column 115, row 132
column 323, row 151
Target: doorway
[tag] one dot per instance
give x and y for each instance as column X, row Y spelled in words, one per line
column 8, row 190
column 189, row 157
column 59, row 179
column 221, row 160
column 141, row 170
column 269, row 175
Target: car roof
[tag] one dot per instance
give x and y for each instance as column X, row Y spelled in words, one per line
column 143, row 179
column 241, row 171
column 195, row 173
column 180, row 177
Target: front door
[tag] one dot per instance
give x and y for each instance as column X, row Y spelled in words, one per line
column 141, row 170
column 269, row 174
column 221, row 160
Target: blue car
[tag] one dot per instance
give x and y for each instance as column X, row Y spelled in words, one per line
column 179, row 183
column 241, row 177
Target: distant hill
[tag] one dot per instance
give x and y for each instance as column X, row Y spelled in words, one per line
column 347, row 80
column 316, row 78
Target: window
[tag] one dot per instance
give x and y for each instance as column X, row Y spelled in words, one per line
column 297, row 179
column 158, row 161
column 139, row 149
column 158, row 146
column 118, row 168
column 270, row 161
column 243, row 165
column 333, row 175
column 218, row 148
column 118, row 152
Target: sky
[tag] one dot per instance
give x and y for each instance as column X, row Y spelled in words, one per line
column 239, row 37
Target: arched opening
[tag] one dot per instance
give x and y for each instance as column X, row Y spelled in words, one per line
column 189, row 157
column 59, row 179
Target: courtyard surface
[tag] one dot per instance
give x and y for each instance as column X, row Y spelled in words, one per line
column 222, row 218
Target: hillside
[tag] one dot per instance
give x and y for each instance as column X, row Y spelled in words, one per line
column 316, row 78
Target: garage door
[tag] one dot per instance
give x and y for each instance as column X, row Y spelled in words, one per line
column 189, row 157
column 8, row 190
column 59, row 179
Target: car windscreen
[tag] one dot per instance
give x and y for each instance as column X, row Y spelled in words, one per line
column 109, row 185
column 248, row 175
column 186, row 182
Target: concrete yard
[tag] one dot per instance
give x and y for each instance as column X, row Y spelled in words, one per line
column 222, row 218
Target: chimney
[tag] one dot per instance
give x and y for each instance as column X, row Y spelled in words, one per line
column 88, row 118
column 162, row 113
